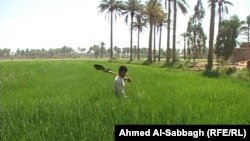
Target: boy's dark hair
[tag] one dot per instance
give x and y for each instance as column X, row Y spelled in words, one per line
column 123, row 68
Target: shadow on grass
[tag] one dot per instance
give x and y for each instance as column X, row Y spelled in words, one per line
column 211, row 73
column 176, row 65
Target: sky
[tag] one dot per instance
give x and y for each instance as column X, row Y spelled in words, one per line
column 37, row 24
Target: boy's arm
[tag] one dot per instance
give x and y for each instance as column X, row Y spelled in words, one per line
column 111, row 72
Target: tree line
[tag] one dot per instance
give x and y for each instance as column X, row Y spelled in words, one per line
column 95, row 51
column 153, row 14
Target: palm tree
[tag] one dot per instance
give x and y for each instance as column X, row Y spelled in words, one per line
column 112, row 8
column 189, row 37
column 139, row 24
column 162, row 19
column 158, row 23
column 156, row 16
column 168, row 7
column 154, row 37
column 152, row 8
column 132, row 8
column 183, row 7
column 211, row 37
column 222, row 8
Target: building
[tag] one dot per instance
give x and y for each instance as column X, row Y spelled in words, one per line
column 242, row 53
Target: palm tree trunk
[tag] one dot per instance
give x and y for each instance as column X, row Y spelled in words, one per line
column 188, row 49
column 217, row 47
column 159, row 54
column 111, row 36
column 168, row 34
column 194, row 47
column 138, row 45
column 185, row 48
column 211, row 37
column 204, row 46
column 219, row 20
column 154, row 43
column 150, row 43
column 131, row 38
column 174, row 31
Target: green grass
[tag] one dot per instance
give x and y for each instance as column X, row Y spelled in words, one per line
column 70, row 100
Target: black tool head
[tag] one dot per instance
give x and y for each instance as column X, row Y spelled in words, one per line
column 99, row 67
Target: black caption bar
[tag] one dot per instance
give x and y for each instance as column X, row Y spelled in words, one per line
column 185, row 132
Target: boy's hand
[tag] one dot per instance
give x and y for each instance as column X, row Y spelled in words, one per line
column 128, row 79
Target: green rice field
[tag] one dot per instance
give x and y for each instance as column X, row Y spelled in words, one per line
column 68, row 100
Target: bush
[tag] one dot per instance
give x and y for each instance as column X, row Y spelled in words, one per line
column 243, row 74
column 146, row 63
column 211, row 73
column 230, row 70
column 248, row 65
column 226, row 70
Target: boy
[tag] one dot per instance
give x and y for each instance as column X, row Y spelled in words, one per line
column 119, row 86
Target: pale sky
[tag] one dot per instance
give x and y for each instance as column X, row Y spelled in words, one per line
column 37, row 24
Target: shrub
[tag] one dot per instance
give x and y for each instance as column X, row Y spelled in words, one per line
column 230, row 70
column 248, row 68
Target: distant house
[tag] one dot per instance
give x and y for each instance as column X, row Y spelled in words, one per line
column 242, row 53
